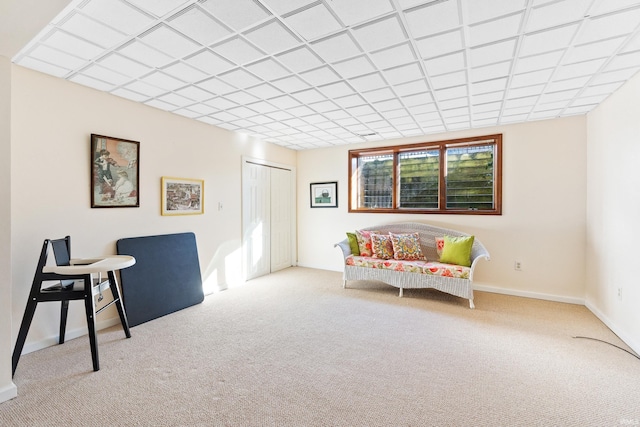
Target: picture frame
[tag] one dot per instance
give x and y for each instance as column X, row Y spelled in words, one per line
column 115, row 171
column 182, row 196
column 324, row 194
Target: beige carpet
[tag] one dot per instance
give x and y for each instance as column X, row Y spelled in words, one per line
column 295, row 349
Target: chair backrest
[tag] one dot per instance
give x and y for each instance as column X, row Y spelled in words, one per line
column 61, row 252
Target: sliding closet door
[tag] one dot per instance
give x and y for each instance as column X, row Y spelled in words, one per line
column 267, row 218
column 256, row 218
column 280, row 219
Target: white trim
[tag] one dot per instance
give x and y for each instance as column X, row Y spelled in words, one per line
column 8, row 393
column 528, row 294
column 630, row 341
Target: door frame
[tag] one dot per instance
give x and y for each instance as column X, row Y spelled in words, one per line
column 294, row 217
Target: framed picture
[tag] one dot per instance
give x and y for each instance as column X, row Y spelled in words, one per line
column 115, row 168
column 182, row 196
column 324, row 195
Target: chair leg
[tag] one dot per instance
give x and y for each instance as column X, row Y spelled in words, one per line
column 91, row 321
column 24, row 330
column 64, row 309
column 115, row 291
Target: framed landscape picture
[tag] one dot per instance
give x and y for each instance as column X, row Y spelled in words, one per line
column 324, row 194
column 182, row 196
column 115, row 168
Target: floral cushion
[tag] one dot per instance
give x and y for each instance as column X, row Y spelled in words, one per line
column 447, row 270
column 381, row 246
column 406, row 246
column 423, row 267
column 386, row 264
column 364, row 242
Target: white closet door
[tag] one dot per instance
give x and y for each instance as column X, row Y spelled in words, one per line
column 256, row 221
column 280, row 219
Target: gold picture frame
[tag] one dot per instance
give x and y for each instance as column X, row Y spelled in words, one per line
column 182, row 196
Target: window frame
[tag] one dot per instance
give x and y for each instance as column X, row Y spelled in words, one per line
column 494, row 140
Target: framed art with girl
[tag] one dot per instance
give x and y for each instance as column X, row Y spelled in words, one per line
column 115, row 167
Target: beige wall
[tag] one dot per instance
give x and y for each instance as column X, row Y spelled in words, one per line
column 613, row 203
column 7, row 388
column 52, row 122
column 543, row 221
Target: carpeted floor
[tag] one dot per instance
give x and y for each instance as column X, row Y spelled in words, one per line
column 295, row 349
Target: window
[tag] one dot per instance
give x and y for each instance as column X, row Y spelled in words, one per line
column 462, row 176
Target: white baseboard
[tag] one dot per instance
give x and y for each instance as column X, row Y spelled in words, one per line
column 8, row 393
column 69, row 335
column 528, row 294
column 635, row 346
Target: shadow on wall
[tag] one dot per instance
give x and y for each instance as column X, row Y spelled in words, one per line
column 224, row 269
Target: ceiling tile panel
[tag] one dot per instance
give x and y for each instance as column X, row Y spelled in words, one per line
column 209, row 62
column 354, row 67
column 492, row 31
column 320, row 76
column 200, row 26
column 492, row 53
column 393, row 56
column 353, row 12
column 381, row 33
column 238, row 14
column 148, row 56
column 267, row 69
column 93, row 31
column 167, row 40
column 440, row 44
column 240, row 78
column 300, row 59
column 314, row 73
column 314, row 22
column 185, row 72
column 124, row 65
column 556, row 13
column 336, row 48
column 434, row 17
column 238, row 51
column 272, row 37
column 484, row 10
column 159, row 7
column 445, row 64
column 609, row 26
column 73, row 45
column 546, row 41
column 118, row 15
column 368, row 82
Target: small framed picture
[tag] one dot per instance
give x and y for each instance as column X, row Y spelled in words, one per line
column 115, row 168
column 324, row 194
column 182, row 196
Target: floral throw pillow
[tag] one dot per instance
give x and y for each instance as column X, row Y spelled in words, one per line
column 439, row 245
column 364, row 242
column 382, row 246
column 406, row 246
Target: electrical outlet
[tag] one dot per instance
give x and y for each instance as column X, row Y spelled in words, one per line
column 517, row 265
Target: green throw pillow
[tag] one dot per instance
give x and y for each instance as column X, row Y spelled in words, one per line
column 457, row 250
column 353, row 244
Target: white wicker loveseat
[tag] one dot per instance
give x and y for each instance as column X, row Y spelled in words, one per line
column 429, row 273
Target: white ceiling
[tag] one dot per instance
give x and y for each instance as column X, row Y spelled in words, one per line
column 306, row 74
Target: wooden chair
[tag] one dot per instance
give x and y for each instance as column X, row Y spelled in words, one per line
column 71, row 287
